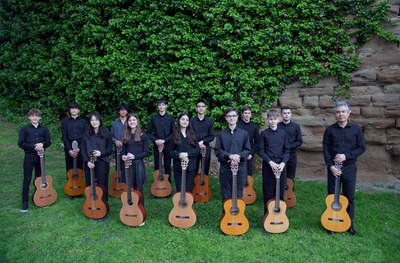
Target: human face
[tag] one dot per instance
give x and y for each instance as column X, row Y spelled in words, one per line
column 132, row 122
column 94, row 122
column 246, row 116
column 286, row 115
column 231, row 117
column 273, row 122
column 123, row 113
column 74, row 112
column 342, row 114
column 162, row 107
column 184, row 121
column 34, row 119
column 201, row 108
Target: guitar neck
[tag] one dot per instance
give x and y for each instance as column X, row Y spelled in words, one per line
column 160, row 164
column 92, row 184
column 278, row 192
column 203, row 162
column 118, row 161
column 128, row 182
column 234, row 189
column 43, row 175
column 183, row 185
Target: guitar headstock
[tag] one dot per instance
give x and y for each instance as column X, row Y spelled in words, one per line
column 119, row 149
column 277, row 174
column 92, row 158
column 160, row 147
column 234, row 168
column 338, row 165
column 184, row 164
column 128, row 163
column 40, row 153
column 75, row 145
column 203, row 152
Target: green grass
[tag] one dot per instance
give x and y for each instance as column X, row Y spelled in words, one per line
column 61, row 233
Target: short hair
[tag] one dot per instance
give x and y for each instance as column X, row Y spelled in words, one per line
column 123, row 106
column 201, row 101
column 34, row 112
column 245, row 108
column 273, row 113
column 229, row 109
column 340, row 103
column 161, row 101
column 285, row 108
column 74, row 105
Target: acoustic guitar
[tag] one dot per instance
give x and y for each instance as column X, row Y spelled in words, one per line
column 234, row 221
column 45, row 194
column 75, row 185
column 276, row 220
column 95, row 206
column 182, row 214
column 201, row 189
column 161, row 187
column 116, row 188
column 289, row 195
column 249, row 195
column 335, row 218
column 132, row 212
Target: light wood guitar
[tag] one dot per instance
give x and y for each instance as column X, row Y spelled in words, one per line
column 75, row 185
column 201, row 189
column 276, row 220
column 117, row 187
column 132, row 212
column 289, row 195
column 182, row 214
column 335, row 218
column 161, row 187
column 234, row 221
column 249, row 195
column 45, row 194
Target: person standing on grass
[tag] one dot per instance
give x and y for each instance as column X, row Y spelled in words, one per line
column 232, row 147
column 343, row 142
column 117, row 134
column 274, row 151
column 32, row 138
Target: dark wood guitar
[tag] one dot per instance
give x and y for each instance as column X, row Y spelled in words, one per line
column 276, row 220
column 249, row 195
column 75, row 185
column 161, row 187
column 201, row 190
column 234, row 221
column 95, row 206
column 116, row 188
column 289, row 195
column 182, row 214
column 335, row 218
column 45, row 194
column 132, row 212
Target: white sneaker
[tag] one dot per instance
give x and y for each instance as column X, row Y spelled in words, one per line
column 143, row 223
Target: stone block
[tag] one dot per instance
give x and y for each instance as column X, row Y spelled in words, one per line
column 375, row 136
column 392, row 89
column 311, row 143
column 363, row 77
column 296, row 84
column 326, row 102
column 356, row 111
column 291, row 101
column 392, row 112
column 389, row 75
column 301, row 112
column 365, row 90
column 360, row 100
column 372, row 112
column 393, row 136
column 396, row 150
column 397, row 123
column 310, row 101
column 310, row 121
column 317, row 131
column 385, row 100
column 378, row 123
column 315, row 91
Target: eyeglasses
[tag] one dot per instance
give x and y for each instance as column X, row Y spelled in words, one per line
column 231, row 116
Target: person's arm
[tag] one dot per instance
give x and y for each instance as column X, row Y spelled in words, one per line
column 64, row 136
column 220, row 152
column 47, row 139
column 359, row 148
column 298, row 140
column 264, row 156
column 22, row 143
column 150, row 129
column 326, row 145
column 146, row 151
column 210, row 134
column 246, row 148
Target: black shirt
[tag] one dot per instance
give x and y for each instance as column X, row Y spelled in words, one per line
column 204, row 129
column 96, row 142
column 138, row 148
column 161, row 127
column 274, row 146
column 348, row 141
column 192, row 150
column 72, row 130
column 294, row 134
column 254, row 136
column 29, row 136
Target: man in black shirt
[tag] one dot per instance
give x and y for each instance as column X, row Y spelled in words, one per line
column 232, row 147
column 343, row 143
column 32, row 138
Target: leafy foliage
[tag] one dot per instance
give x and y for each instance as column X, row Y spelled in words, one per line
column 229, row 52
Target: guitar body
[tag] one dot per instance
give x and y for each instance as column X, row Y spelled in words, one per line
column 234, row 224
column 201, row 189
column 161, row 187
column 132, row 213
column 44, row 195
column 75, row 184
column 249, row 195
column 289, row 195
column 95, row 206
column 333, row 219
column 116, row 188
column 276, row 221
column 182, row 215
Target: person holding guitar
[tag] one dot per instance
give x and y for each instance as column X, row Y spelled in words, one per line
column 343, row 142
column 72, row 129
column 186, row 148
column 160, row 132
column 32, row 138
column 274, row 151
column 117, row 134
column 97, row 143
column 232, row 148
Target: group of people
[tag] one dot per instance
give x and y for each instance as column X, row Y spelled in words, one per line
column 184, row 140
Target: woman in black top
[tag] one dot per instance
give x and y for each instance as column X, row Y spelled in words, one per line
column 97, row 143
column 135, row 148
column 185, row 148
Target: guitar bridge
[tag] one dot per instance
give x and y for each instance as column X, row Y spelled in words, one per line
column 335, row 219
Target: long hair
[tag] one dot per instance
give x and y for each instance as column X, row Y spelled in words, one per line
column 191, row 136
column 128, row 130
column 103, row 133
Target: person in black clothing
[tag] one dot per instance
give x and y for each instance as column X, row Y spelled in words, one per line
column 117, row 134
column 135, row 148
column 295, row 140
column 160, row 131
column 204, row 129
column 32, row 138
column 186, row 148
column 72, row 129
column 254, row 136
column 343, row 142
column 232, row 147
column 97, row 142
column 274, row 151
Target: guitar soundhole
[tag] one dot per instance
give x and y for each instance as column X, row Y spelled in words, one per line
column 182, row 204
column 43, row 185
column 336, row 207
column 202, row 183
column 277, row 210
column 130, row 202
column 234, row 212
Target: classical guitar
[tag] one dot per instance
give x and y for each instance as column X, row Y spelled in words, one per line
column 161, row 187
column 182, row 214
column 116, row 188
column 234, row 221
column 132, row 212
column 201, row 189
column 95, row 206
column 249, row 195
column 335, row 218
column 289, row 195
column 75, row 185
column 45, row 194
column 276, row 220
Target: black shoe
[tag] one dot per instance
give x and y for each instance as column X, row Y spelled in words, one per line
column 329, row 232
column 24, row 207
column 352, row 231
column 70, row 197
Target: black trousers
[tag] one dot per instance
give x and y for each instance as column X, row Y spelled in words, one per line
column 207, row 161
column 348, row 183
column 226, row 180
column 31, row 161
column 101, row 171
column 121, row 165
column 167, row 159
column 291, row 166
column 69, row 161
column 269, row 184
column 189, row 180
